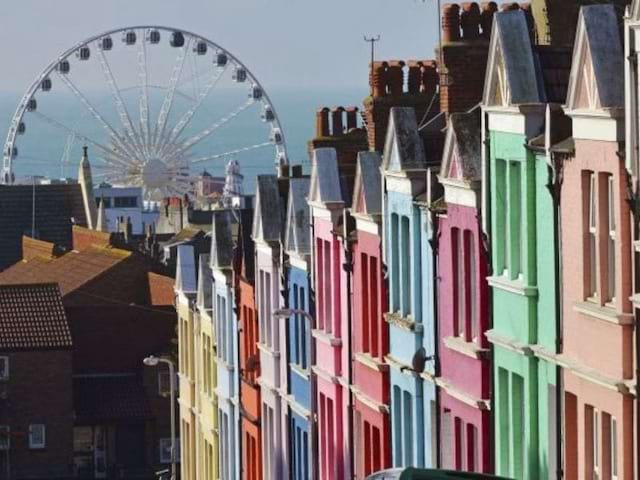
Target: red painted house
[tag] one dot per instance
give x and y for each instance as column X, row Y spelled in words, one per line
column 370, row 333
column 251, row 460
column 463, row 303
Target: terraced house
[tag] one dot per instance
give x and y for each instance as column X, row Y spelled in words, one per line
column 597, row 286
column 297, row 245
column 521, row 80
column 372, row 425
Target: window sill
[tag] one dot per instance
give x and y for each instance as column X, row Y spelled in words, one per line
column 327, row 338
column 470, row 349
column 405, row 323
column 371, row 362
column 513, row 286
column 298, row 370
column 604, row 313
column 268, row 350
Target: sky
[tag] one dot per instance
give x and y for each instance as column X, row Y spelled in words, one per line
column 285, row 43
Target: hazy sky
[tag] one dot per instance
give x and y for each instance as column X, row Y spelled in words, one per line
column 284, row 42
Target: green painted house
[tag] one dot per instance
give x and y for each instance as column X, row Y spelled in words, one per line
column 523, row 84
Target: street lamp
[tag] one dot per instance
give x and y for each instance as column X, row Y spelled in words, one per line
column 282, row 314
column 152, row 361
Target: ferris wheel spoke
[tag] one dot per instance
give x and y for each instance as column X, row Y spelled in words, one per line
column 144, row 95
column 122, row 143
column 121, row 108
column 188, row 116
column 191, row 142
column 217, row 156
column 167, row 104
column 55, row 123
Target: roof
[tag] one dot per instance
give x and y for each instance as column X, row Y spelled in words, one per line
column 404, row 149
column 204, row 296
column 222, row 240
column 57, row 207
column 115, row 339
column 186, row 270
column 32, row 317
column 186, row 235
column 554, row 65
column 326, row 185
column 97, row 275
column 297, row 238
column 103, row 399
column 245, row 246
column 597, row 76
column 367, row 194
column 463, row 150
column 267, row 220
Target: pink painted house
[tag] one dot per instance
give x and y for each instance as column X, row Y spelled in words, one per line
column 597, row 358
column 370, row 333
column 463, row 301
column 330, row 335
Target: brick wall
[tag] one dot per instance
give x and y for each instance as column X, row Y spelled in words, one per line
column 39, row 390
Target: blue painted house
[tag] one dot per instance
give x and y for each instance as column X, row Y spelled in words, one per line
column 298, row 248
column 226, row 328
column 409, row 261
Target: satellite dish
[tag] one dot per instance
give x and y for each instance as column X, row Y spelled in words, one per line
column 419, row 360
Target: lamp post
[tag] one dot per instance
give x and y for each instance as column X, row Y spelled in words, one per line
column 152, row 361
column 284, row 313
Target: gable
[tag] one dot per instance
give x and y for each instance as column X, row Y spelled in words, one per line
column 325, row 177
column 404, row 149
column 268, row 214
column 597, row 72
column 499, row 91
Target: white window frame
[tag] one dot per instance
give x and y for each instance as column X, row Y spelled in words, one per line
column 595, row 438
column 6, row 431
column 593, row 238
column 34, row 445
column 611, row 241
column 4, row 368
column 614, row 448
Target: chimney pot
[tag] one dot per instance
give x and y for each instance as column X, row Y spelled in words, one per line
column 450, row 22
column 337, row 121
column 352, row 118
column 470, row 21
column 379, row 79
column 415, row 73
column 486, row 18
column 322, row 122
column 510, row 6
column 395, row 77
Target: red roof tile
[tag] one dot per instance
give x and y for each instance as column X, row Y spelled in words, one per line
column 32, row 317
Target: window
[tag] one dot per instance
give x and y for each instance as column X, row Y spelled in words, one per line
column 327, row 287
column 472, row 448
column 165, row 450
column 405, row 239
column 501, row 226
column 125, row 202
column 592, row 430
column 459, row 442
column 37, row 436
column 614, row 449
column 394, row 248
column 447, row 440
column 592, row 233
column 611, row 240
column 5, row 437
column 4, row 368
column 458, row 282
column 369, row 277
column 516, row 253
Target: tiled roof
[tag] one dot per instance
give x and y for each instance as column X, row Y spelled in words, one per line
column 57, row 207
column 32, row 317
column 555, row 68
column 103, row 399
column 96, row 275
column 115, row 339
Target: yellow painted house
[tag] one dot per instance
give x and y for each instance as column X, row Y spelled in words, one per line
column 197, row 367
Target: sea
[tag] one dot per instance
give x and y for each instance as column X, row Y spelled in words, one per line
column 54, row 153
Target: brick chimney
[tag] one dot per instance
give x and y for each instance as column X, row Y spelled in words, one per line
column 397, row 83
column 466, row 31
column 340, row 128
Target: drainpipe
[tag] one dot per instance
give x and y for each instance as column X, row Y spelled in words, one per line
column 555, row 186
column 314, row 457
column 347, row 266
column 436, row 344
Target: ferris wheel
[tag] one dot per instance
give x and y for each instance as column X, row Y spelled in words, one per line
column 153, row 104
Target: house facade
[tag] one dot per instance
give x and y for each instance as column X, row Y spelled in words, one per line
column 520, row 221
column 410, row 266
column 267, row 231
column 327, row 203
column 297, row 246
column 370, row 339
column 598, row 314
column 463, row 303
column 226, row 328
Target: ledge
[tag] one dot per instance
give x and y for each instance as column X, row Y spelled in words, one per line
column 469, row 349
column 578, row 369
column 268, row 350
column 326, row 376
column 606, row 314
column 512, row 286
column 479, row 403
column 372, row 363
column 405, row 323
column 370, row 402
column 327, row 338
column 509, row 343
column 301, row 372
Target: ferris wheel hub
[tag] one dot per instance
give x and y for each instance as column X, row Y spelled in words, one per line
column 155, row 174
